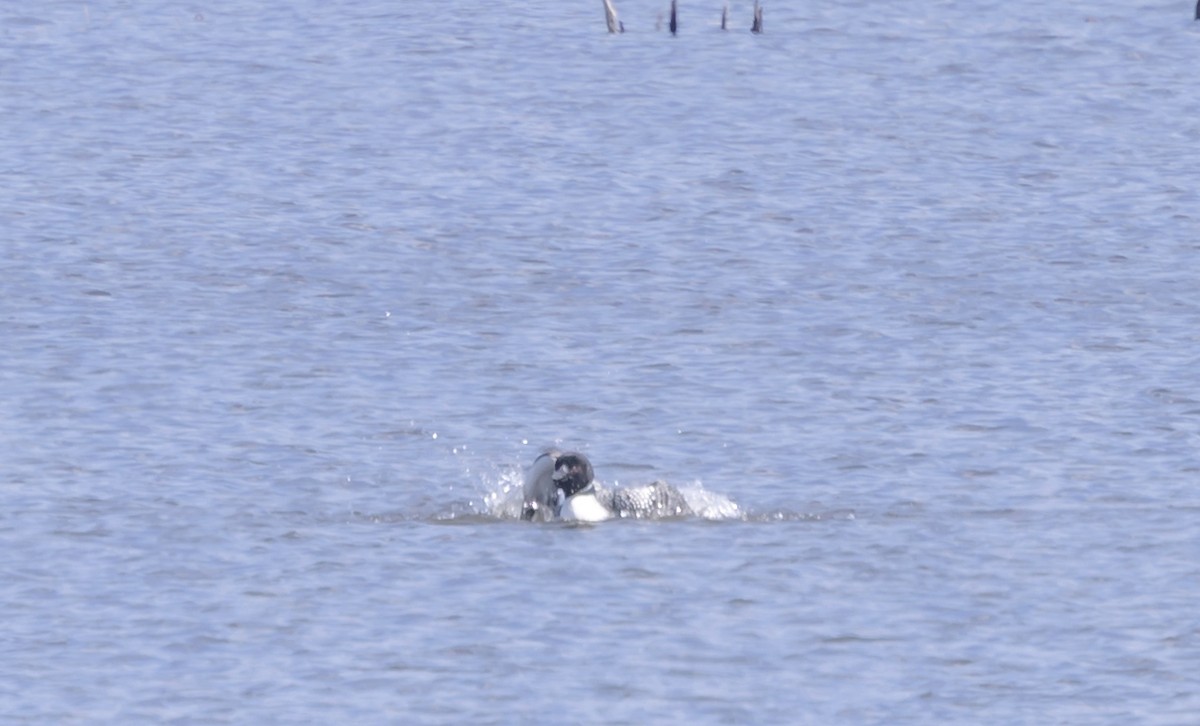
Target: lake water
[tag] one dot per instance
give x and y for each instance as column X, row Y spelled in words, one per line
column 904, row 295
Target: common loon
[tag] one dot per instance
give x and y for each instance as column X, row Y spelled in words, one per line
column 562, row 486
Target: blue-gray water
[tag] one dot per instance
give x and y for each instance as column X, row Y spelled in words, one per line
column 907, row 291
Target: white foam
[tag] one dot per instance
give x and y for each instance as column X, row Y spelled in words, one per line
column 504, row 497
column 709, row 505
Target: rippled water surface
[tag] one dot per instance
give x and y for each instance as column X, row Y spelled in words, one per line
column 905, row 294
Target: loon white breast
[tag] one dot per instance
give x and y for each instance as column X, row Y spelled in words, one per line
column 583, row 506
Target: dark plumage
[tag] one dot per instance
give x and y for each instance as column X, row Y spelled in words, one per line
column 572, row 472
column 656, row 500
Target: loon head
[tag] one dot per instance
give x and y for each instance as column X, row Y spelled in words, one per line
column 572, row 473
column 577, row 500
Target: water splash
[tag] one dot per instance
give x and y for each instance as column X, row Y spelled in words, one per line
column 710, row 505
column 503, row 497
